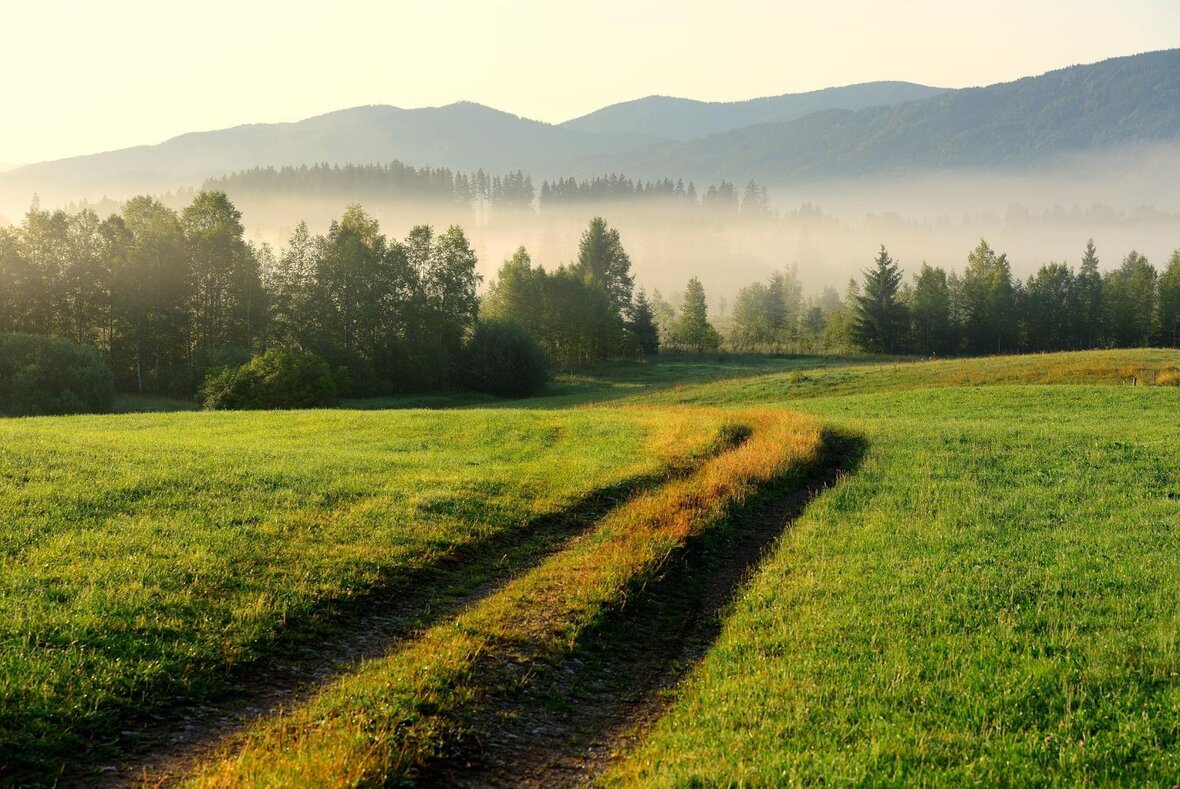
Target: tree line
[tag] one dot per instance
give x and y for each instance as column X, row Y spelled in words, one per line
column 393, row 179
column 588, row 310
column 399, row 180
column 166, row 295
column 987, row 310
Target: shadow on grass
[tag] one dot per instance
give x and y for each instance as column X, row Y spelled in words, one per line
column 560, row 724
column 167, row 724
column 619, row 380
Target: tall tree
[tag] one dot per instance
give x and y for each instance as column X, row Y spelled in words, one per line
column 602, row 260
column 86, row 280
column 156, row 289
column 1129, row 296
column 517, row 293
column 289, row 287
column 753, row 316
column 449, row 281
column 228, row 303
column 693, row 330
column 1051, row 310
column 665, row 317
column 643, row 326
column 1169, row 302
column 880, row 320
column 1088, row 289
column 360, row 286
column 989, row 302
column 930, row 311
column 40, row 282
column 10, row 261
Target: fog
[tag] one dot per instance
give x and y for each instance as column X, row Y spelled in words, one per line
column 828, row 231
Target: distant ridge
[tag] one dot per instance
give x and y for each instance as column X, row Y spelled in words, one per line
column 1118, row 102
column 462, row 135
column 684, row 119
column 886, row 127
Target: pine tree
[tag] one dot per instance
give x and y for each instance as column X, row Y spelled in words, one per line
column 880, row 320
column 603, row 261
column 643, row 326
column 1089, row 294
column 693, row 329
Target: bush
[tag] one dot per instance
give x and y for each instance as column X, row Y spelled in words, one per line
column 42, row 375
column 1168, row 377
column 276, row 379
column 503, row 359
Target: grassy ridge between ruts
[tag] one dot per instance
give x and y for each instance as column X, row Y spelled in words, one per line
column 992, row 599
column 143, row 557
column 395, row 713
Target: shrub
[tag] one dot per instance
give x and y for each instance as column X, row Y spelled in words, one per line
column 1168, row 377
column 43, row 375
column 503, row 359
column 276, row 379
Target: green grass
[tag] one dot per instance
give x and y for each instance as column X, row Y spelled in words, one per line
column 993, row 598
column 379, row 724
column 990, row 597
column 799, row 380
column 629, row 381
column 143, row 556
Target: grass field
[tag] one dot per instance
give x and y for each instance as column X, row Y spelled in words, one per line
column 142, row 557
column 994, row 598
column 382, row 722
column 990, row 596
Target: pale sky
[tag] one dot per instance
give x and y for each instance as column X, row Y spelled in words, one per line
column 81, row 76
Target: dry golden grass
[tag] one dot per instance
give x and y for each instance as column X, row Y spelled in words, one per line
column 379, row 723
column 1168, row 377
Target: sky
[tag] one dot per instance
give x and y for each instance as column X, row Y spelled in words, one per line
column 82, row 77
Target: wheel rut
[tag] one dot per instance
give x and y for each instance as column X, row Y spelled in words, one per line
column 568, row 723
column 159, row 747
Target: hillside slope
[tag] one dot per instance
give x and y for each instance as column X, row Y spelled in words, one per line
column 685, row 119
column 1105, row 105
column 463, row 136
column 1119, row 102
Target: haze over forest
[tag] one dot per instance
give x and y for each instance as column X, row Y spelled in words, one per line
column 1036, row 166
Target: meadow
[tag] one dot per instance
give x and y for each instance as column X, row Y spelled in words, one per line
column 143, row 557
column 988, row 595
column 991, row 599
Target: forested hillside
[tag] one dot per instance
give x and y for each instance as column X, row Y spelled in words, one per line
column 1114, row 103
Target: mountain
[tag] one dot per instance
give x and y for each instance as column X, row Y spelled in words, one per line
column 1118, row 102
column 1102, row 106
column 463, row 136
column 685, row 119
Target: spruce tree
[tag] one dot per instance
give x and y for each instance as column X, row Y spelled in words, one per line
column 693, row 329
column 1089, row 293
column 603, row 261
column 643, row 326
column 880, row 320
